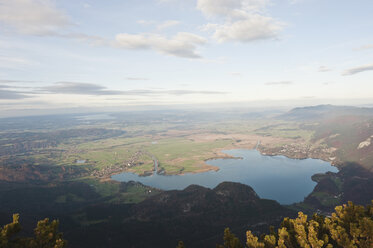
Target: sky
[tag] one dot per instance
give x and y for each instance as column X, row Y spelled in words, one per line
column 94, row 54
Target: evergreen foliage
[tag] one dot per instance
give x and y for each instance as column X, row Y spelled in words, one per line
column 180, row 245
column 350, row 226
column 46, row 235
column 230, row 240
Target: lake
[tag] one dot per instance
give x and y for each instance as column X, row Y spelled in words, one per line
column 272, row 177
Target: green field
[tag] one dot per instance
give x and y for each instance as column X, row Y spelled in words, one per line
column 174, row 155
column 178, row 148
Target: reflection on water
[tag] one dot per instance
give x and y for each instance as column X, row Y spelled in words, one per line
column 273, row 177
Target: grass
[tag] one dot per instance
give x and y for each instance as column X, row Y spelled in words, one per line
column 141, row 169
column 326, row 199
column 69, row 198
column 112, row 191
column 301, row 206
column 286, row 130
column 175, row 154
column 105, row 153
column 183, row 155
column 175, row 148
column 105, row 189
column 134, row 194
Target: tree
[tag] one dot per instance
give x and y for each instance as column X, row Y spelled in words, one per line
column 8, row 231
column 180, row 245
column 230, row 240
column 46, row 235
column 349, row 226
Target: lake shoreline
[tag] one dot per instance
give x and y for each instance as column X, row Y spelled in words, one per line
column 223, row 156
column 249, row 167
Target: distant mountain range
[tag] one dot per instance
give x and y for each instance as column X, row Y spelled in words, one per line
column 324, row 111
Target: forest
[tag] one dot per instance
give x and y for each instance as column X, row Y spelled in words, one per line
column 349, row 226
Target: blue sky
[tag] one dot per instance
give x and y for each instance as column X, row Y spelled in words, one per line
column 87, row 53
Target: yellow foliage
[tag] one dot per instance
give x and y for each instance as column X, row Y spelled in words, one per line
column 350, row 226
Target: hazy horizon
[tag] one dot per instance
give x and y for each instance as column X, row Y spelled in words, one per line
column 249, row 107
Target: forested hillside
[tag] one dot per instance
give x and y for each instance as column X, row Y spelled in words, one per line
column 349, row 226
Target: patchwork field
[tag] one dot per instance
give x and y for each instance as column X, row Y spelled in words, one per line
column 180, row 143
column 102, row 149
column 176, row 151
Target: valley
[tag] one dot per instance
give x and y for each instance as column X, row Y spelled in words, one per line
column 66, row 171
column 179, row 148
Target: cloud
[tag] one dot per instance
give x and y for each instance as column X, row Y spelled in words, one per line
column 324, row 69
column 181, row 45
column 132, row 41
column 146, row 22
column 358, row 69
column 3, row 86
column 296, row 1
column 191, row 92
column 243, row 20
column 10, row 81
column 365, row 47
column 279, row 83
column 77, row 88
column 32, row 17
column 25, row 103
column 42, row 18
column 90, row 39
column 230, row 8
column 14, row 62
column 167, row 24
column 7, row 94
column 159, row 25
column 137, row 79
column 254, row 27
column 235, row 74
column 11, row 95
column 165, row 1
column 87, row 6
